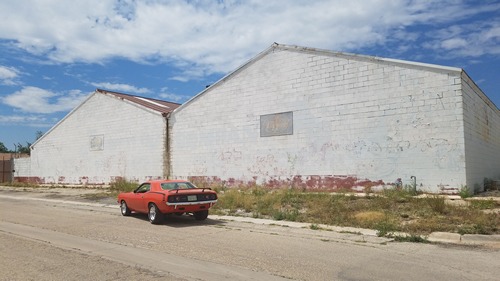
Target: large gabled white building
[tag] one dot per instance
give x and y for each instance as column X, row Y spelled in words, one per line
column 291, row 116
column 320, row 119
column 107, row 137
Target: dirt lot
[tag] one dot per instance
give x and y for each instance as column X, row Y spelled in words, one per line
column 96, row 195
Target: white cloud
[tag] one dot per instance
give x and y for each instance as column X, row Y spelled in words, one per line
column 453, row 43
column 467, row 40
column 8, row 75
column 36, row 100
column 218, row 36
column 38, row 121
column 171, row 97
column 124, row 88
column 189, row 73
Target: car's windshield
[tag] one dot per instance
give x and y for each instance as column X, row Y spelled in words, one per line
column 177, row 185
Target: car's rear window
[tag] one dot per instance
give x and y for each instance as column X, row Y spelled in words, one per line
column 177, row 185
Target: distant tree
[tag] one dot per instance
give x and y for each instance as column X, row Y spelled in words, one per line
column 19, row 148
column 38, row 135
column 3, row 148
column 23, row 149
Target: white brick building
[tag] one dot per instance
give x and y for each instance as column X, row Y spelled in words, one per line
column 109, row 136
column 320, row 119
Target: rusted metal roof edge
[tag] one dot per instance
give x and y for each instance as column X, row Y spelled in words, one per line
column 161, row 106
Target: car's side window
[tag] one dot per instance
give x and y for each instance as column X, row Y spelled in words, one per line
column 167, row 186
column 143, row 188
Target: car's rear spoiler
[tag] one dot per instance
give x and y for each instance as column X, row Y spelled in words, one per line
column 177, row 189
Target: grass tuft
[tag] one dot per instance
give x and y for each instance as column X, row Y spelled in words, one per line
column 410, row 238
column 122, row 185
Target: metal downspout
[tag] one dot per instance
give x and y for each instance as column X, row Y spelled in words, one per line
column 414, row 184
column 167, row 160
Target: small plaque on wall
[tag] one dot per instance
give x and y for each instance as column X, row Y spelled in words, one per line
column 277, row 124
column 97, row 143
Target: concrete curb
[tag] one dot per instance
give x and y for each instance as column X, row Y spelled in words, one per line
column 465, row 239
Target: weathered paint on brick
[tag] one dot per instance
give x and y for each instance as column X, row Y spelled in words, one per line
column 311, row 182
column 371, row 119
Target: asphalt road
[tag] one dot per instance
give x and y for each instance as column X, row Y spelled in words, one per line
column 46, row 237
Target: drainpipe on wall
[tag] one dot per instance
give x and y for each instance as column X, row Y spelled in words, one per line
column 414, row 184
column 166, row 154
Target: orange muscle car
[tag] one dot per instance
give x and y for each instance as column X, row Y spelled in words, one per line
column 160, row 197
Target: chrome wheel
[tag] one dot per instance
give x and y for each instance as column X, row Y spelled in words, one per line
column 124, row 209
column 154, row 214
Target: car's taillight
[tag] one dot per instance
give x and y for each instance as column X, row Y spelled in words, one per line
column 177, row 198
column 174, row 199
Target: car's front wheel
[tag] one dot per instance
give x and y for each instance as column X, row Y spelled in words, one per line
column 154, row 214
column 124, row 208
column 201, row 215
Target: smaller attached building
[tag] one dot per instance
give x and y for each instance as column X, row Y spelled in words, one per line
column 108, row 137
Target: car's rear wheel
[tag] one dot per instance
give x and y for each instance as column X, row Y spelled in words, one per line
column 154, row 214
column 201, row 215
column 124, row 208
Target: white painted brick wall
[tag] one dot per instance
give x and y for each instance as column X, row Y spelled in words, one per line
column 371, row 119
column 133, row 144
column 22, row 166
column 482, row 136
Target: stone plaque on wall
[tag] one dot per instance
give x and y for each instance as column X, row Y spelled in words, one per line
column 277, row 124
column 97, row 143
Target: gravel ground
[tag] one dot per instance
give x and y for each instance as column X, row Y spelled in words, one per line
column 24, row 259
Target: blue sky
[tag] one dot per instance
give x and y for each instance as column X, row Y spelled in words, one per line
column 54, row 53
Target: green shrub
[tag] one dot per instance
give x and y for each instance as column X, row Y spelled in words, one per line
column 314, row 227
column 464, row 192
column 122, row 185
column 437, row 204
column 288, row 215
column 385, row 227
column 411, row 238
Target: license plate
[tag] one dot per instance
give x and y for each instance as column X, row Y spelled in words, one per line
column 192, row 198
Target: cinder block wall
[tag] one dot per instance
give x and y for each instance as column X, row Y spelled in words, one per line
column 356, row 122
column 101, row 140
column 482, row 136
column 22, row 167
